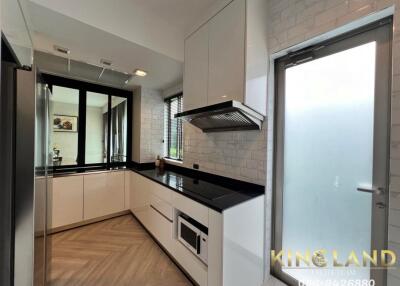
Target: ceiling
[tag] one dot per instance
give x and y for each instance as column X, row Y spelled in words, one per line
column 89, row 44
column 144, row 34
column 179, row 13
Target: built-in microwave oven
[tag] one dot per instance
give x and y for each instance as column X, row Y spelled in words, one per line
column 194, row 236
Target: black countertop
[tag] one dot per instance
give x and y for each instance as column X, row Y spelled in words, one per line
column 219, row 197
column 216, row 192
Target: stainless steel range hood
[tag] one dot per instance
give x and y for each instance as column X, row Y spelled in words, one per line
column 226, row 116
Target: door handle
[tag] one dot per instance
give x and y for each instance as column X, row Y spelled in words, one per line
column 374, row 191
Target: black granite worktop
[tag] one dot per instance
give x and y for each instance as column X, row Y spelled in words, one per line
column 216, row 192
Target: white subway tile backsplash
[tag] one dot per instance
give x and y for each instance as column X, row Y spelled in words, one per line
column 232, row 154
column 394, row 217
column 394, row 201
column 394, row 235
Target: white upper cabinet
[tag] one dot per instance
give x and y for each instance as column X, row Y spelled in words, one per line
column 226, row 58
column 226, row 54
column 196, row 70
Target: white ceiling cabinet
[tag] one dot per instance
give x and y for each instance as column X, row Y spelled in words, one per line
column 196, row 70
column 226, row 54
column 226, row 59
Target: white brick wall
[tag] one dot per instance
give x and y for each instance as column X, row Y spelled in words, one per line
column 152, row 125
column 292, row 22
column 240, row 154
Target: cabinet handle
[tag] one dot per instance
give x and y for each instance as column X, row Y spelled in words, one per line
column 154, row 208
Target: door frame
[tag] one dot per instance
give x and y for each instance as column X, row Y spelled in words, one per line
column 380, row 31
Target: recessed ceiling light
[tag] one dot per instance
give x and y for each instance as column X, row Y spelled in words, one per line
column 139, row 72
column 105, row 62
column 61, row 49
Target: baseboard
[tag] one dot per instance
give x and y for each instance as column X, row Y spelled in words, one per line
column 86, row 222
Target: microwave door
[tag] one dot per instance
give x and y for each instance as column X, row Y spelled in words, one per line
column 189, row 236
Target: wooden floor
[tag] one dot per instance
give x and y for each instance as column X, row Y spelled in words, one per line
column 115, row 252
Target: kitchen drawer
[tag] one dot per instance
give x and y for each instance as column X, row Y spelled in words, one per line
column 161, row 191
column 162, row 206
column 191, row 208
column 161, row 228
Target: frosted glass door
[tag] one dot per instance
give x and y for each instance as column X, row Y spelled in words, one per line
column 328, row 147
column 332, row 143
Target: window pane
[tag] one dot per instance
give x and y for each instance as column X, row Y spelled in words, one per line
column 65, row 103
column 119, row 122
column 96, row 128
column 174, row 128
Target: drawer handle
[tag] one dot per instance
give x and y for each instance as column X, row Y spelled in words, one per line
column 167, row 218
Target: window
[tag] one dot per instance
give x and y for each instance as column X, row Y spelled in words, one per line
column 173, row 127
column 118, row 129
column 65, row 114
column 91, row 124
column 96, row 128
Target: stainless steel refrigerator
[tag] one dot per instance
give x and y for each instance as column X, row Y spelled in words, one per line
column 24, row 175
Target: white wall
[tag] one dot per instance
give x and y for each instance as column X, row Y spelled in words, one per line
column 152, row 125
column 148, row 125
column 291, row 23
column 172, row 90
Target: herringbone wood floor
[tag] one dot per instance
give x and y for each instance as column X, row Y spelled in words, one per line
column 115, row 252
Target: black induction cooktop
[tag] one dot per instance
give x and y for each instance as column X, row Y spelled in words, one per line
column 210, row 194
column 204, row 189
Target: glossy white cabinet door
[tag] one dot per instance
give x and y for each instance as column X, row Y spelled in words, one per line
column 195, row 80
column 66, row 201
column 140, row 198
column 140, row 192
column 127, row 200
column 104, row 194
column 227, row 54
column 161, row 228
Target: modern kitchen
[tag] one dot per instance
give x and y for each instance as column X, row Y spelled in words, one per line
column 200, row 142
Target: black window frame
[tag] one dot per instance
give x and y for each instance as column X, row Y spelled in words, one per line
column 168, row 127
column 84, row 87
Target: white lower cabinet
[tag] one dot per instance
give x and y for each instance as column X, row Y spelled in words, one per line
column 196, row 269
column 161, row 228
column 65, row 201
column 153, row 205
column 127, row 188
column 104, row 194
column 235, row 236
